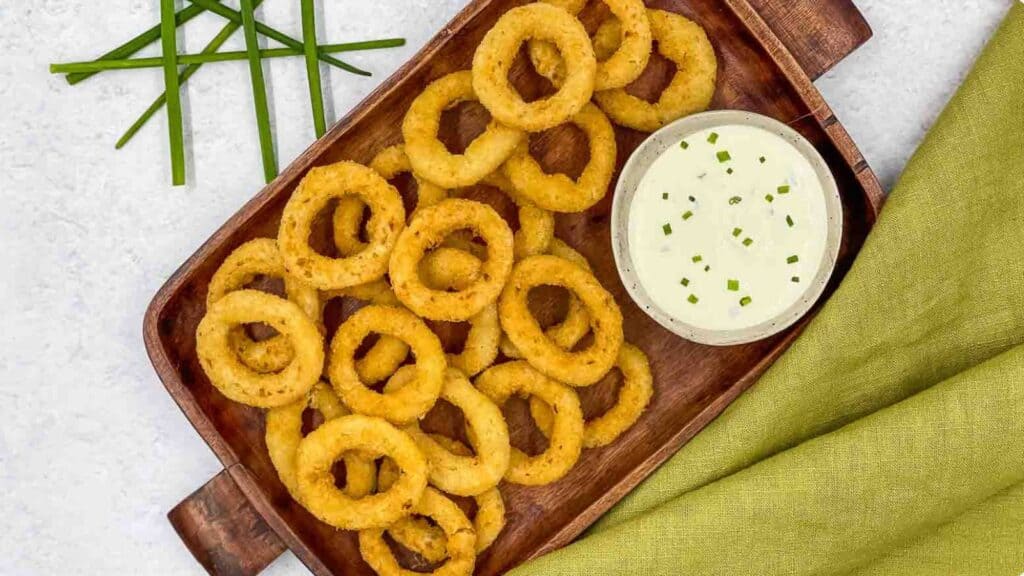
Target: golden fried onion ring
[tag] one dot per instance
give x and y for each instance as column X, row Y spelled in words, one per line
column 501, row 382
column 260, row 257
column 426, row 231
column 617, row 67
column 455, row 474
column 576, row 324
column 558, row 192
column 401, row 406
column 684, row 43
column 240, row 382
column 431, row 159
column 581, row 368
column 454, row 269
column 284, row 433
column 388, row 353
column 427, row 540
column 318, row 187
column 348, row 216
column 634, row 395
column 497, row 51
column 318, row 452
column 460, row 546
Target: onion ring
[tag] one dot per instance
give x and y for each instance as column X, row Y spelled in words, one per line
column 455, row 474
column 497, row 51
column 284, row 433
column 454, row 269
column 616, row 67
column 427, row 540
column 317, row 188
column 502, row 381
column 401, row 406
column 460, row 545
column 634, row 395
column 388, row 353
column 576, row 324
column 348, row 216
column 318, row 452
column 536, row 225
column 558, row 192
column 581, row 368
column 427, row 230
column 429, row 156
column 686, row 44
column 260, row 257
column 240, row 382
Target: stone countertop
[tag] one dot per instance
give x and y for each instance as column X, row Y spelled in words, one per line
column 93, row 452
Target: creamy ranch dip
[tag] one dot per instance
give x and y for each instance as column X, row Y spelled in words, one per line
column 728, row 228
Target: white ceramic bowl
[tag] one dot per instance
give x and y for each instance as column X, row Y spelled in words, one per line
column 635, row 169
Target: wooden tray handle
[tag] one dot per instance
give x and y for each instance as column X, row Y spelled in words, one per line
column 223, row 531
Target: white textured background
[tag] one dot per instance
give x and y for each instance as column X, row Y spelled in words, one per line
column 93, row 452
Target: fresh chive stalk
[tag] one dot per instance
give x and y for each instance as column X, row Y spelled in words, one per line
column 316, row 96
column 138, row 43
column 259, row 91
column 169, row 44
column 235, row 16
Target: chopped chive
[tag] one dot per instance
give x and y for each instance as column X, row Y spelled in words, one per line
column 316, row 96
column 692, row 199
column 792, row 259
column 687, row 215
column 685, row 281
column 697, row 258
column 737, row 231
column 713, row 137
column 789, row 220
column 274, row 34
column 259, row 91
column 169, row 45
column 707, row 268
column 733, row 285
column 723, row 156
column 748, row 241
column 138, row 43
column 693, row 299
column 745, row 301
column 795, row 279
column 684, row 145
column 735, row 200
column 729, row 171
column 784, row 189
column 769, row 198
column 762, row 159
column 664, row 195
column 667, row 229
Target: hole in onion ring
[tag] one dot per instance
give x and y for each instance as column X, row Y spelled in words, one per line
column 259, row 332
column 654, row 79
column 321, row 232
column 601, row 397
column 407, row 558
column 530, row 85
column 548, row 149
column 461, row 124
column 452, row 334
column 548, row 304
column 523, row 432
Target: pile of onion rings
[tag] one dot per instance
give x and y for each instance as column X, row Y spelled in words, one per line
column 450, row 259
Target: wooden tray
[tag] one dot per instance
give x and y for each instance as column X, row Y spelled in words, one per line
column 768, row 51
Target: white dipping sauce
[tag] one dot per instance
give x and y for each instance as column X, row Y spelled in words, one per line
column 722, row 250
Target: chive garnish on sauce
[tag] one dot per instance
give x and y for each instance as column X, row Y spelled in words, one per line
column 723, row 156
column 769, row 198
column 748, row 241
column 792, row 259
column 697, row 258
column 667, row 229
column 762, row 159
column 693, row 299
column 745, row 301
column 707, row 268
column 783, row 189
column 729, row 171
column 733, row 285
column 736, row 232
column 795, row 279
column 685, row 281
column 692, row 199
column 735, row 200
column 789, row 220
column 687, row 215
column 684, row 145
column 664, row 195
column 713, row 137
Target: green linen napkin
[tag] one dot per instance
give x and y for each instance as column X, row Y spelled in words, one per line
column 889, row 440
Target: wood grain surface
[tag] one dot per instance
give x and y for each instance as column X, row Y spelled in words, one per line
column 693, row 383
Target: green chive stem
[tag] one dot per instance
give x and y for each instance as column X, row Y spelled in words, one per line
column 205, row 57
column 316, row 96
column 169, row 44
column 138, row 43
column 259, row 91
column 273, row 34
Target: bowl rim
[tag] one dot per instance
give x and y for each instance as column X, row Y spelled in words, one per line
column 636, row 168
